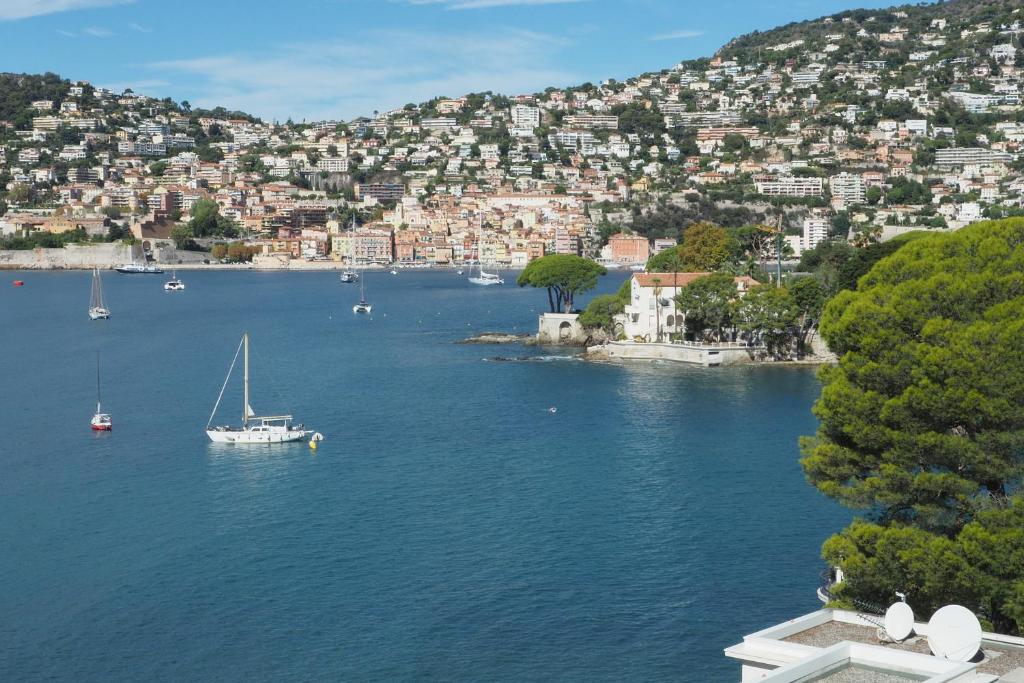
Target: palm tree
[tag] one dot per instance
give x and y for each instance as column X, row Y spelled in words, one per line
column 657, row 308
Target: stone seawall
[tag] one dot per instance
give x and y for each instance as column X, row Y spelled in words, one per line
column 72, row 257
column 695, row 354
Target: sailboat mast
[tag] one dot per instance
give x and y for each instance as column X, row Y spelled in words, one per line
column 98, row 382
column 245, row 406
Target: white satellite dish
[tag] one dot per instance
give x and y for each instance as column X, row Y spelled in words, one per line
column 954, row 633
column 899, row 621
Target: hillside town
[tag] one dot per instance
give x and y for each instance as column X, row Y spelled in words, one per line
column 857, row 127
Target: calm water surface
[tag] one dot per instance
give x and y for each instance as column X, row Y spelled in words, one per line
column 449, row 527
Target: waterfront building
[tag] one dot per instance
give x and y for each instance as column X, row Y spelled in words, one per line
column 629, row 249
column 651, row 313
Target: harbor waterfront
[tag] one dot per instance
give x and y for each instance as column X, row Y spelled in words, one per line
column 450, row 526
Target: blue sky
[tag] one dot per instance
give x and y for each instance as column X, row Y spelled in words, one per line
column 309, row 59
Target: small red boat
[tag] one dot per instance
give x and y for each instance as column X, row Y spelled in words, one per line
column 19, row 283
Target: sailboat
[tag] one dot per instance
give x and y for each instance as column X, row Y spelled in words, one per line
column 350, row 276
column 97, row 309
column 174, row 284
column 254, row 430
column 482, row 277
column 362, row 306
column 101, row 421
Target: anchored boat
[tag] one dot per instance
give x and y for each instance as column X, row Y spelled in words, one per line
column 97, row 309
column 255, row 429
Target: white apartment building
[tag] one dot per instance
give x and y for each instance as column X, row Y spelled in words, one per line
column 524, row 116
column 332, row 165
column 441, row 123
column 849, row 187
column 815, row 232
column 961, row 156
column 790, row 186
column 592, row 121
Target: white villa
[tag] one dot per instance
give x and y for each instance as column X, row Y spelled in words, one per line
column 652, row 307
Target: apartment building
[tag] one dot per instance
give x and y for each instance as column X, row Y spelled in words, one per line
column 961, row 156
column 789, row 186
column 524, row 116
column 849, row 187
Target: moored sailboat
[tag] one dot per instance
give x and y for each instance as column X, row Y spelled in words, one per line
column 482, row 277
column 255, row 429
column 101, row 422
column 97, row 309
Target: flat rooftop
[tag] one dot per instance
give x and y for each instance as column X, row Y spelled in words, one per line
column 1000, row 659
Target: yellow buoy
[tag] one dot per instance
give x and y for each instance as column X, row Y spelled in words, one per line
column 312, row 444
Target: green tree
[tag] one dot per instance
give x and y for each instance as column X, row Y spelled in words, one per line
column 705, row 247
column 922, row 421
column 768, row 314
column 206, row 220
column 706, row 304
column 601, row 311
column 979, row 567
column 182, row 236
column 563, row 275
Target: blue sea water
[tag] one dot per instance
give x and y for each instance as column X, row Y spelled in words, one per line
column 449, row 527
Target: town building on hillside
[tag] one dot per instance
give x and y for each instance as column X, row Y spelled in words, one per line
column 629, row 249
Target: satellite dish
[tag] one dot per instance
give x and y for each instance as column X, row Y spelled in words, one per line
column 954, row 633
column 899, row 621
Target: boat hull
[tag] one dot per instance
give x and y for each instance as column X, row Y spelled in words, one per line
column 486, row 281
column 362, row 308
column 98, row 314
column 243, row 438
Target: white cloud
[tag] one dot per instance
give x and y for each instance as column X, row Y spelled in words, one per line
column 97, row 32
column 485, row 4
column 139, row 28
column 380, row 72
column 678, row 35
column 22, row 9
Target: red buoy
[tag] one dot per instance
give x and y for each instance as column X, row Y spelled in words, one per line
column 19, row 283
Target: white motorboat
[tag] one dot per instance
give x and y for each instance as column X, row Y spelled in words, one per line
column 174, row 284
column 101, row 422
column 254, row 430
column 482, row 277
column 349, row 276
column 138, row 269
column 97, row 309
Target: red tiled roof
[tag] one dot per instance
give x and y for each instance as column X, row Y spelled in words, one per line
column 683, row 279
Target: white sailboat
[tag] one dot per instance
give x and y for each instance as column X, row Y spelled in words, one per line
column 254, row 429
column 174, row 284
column 350, row 276
column 97, row 309
column 362, row 306
column 101, row 422
column 482, row 277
